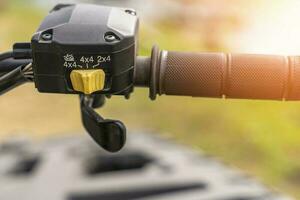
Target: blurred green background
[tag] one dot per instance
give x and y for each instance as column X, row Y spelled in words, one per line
column 260, row 137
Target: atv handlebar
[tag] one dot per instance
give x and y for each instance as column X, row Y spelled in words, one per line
column 99, row 60
column 221, row 75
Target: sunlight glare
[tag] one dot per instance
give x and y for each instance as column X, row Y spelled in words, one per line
column 274, row 28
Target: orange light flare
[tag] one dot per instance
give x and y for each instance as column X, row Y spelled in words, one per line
column 273, row 27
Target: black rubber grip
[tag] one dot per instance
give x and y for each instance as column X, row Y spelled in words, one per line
column 229, row 75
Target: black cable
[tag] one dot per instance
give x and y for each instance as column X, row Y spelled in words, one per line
column 12, row 80
column 10, row 64
column 6, row 55
column 15, row 72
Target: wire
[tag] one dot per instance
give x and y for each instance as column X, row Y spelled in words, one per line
column 16, row 77
column 28, row 68
column 10, row 64
column 28, row 72
column 6, row 55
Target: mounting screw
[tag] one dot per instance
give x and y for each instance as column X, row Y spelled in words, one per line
column 47, row 36
column 131, row 12
column 110, row 38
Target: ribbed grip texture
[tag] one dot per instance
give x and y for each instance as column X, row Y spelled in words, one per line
column 229, row 75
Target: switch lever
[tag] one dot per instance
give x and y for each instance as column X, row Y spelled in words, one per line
column 109, row 134
column 88, row 81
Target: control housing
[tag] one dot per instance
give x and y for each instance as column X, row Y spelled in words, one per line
column 85, row 37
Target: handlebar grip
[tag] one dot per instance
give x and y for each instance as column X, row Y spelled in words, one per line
column 229, row 75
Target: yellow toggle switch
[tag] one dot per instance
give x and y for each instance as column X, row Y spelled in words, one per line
column 88, row 81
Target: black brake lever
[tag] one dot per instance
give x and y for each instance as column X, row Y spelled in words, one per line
column 109, row 134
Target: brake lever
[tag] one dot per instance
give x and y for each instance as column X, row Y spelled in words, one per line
column 109, row 134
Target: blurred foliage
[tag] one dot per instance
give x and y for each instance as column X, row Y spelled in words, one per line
column 261, row 137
